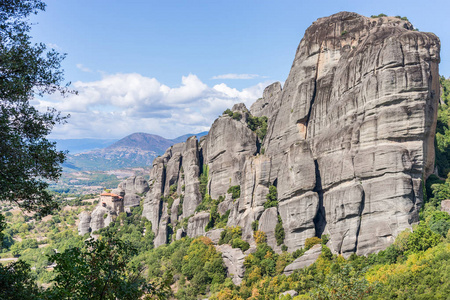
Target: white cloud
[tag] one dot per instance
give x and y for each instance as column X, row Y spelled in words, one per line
column 83, row 68
column 237, row 76
column 120, row 104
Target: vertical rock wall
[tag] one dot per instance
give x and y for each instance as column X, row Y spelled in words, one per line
column 349, row 141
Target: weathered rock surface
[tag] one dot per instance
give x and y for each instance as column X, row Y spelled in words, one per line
column 191, row 168
column 197, row 223
column 131, row 189
column 291, row 293
column 214, row 235
column 180, row 234
column 298, row 219
column 269, row 103
column 100, row 218
column 267, row 223
column 307, row 259
column 349, row 141
column 233, row 259
column 227, row 145
column 361, row 97
column 85, row 221
column 445, row 206
column 134, row 185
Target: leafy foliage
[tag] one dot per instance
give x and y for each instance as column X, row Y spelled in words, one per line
column 17, row 282
column 233, row 236
column 443, row 130
column 378, row 16
column 258, row 125
column 228, row 112
column 235, row 191
column 100, row 270
column 204, row 181
column 27, row 158
column 237, row 116
column 272, row 197
column 279, row 232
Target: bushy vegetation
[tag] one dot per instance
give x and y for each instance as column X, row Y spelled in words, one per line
column 235, row 191
column 272, row 197
column 279, row 232
column 258, row 125
column 191, row 266
column 443, row 130
column 233, row 236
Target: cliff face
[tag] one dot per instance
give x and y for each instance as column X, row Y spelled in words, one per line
column 349, row 141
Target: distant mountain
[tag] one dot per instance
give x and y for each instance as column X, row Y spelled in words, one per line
column 183, row 138
column 142, row 141
column 135, row 150
column 75, row 146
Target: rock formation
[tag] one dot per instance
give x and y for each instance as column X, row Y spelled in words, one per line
column 131, row 190
column 349, row 141
column 85, row 221
column 233, row 259
column 307, row 259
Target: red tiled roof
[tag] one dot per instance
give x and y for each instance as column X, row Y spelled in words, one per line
column 109, row 194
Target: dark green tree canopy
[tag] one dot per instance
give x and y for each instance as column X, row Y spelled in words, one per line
column 27, row 158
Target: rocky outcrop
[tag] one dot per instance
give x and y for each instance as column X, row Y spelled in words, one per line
column 131, row 190
column 291, row 293
column 307, row 259
column 85, row 221
column 269, row 104
column 214, row 235
column 445, row 206
column 191, row 169
column 349, row 140
column 267, row 224
column 197, row 224
column 100, row 218
column 227, row 145
column 361, row 99
column 233, row 259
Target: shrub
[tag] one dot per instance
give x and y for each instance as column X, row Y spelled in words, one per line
column 279, row 232
column 237, row 116
column 310, row 242
column 240, row 243
column 255, row 225
column 260, row 237
column 235, row 191
column 228, row 112
column 229, row 234
column 258, row 125
column 378, row 16
column 271, row 197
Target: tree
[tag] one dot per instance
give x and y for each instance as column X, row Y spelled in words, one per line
column 27, row 158
column 100, row 270
column 16, row 282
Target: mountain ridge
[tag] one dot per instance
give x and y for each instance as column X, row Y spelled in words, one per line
column 135, row 150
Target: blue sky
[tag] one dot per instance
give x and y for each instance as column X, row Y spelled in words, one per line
column 171, row 67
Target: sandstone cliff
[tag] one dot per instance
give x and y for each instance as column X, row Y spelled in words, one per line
column 349, row 141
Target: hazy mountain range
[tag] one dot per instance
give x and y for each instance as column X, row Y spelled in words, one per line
column 135, row 150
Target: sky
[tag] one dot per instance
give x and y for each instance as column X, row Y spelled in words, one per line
column 172, row 67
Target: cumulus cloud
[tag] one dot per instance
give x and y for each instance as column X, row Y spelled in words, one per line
column 237, row 76
column 120, row 104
